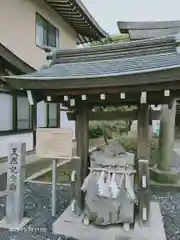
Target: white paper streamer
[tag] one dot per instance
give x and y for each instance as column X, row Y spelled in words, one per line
column 129, row 187
column 73, row 205
column 107, row 190
column 101, row 184
column 114, row 187
column 144, row 181
column 144, row 214
column 85, row 183
column 121, row 180
column 73, row 176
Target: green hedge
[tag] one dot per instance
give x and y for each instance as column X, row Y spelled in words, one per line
column 95, row 131
column 130, row 145
column 99, row 128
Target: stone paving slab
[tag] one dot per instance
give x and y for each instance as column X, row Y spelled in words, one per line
column 71, row 225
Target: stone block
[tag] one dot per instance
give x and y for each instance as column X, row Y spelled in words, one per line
column 70, row 225
column 169, row 177
column 17, row 227
column 15, row 183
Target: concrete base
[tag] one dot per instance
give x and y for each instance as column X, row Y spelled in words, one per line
column 17, row 227
column 164, row 176
column 70, row 225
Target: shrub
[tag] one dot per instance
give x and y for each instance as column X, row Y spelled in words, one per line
column 99, row 128
column 130, row 145
column 95, row 131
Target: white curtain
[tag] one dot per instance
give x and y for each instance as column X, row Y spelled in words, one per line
column 41, row 114
column 52, row 114
column 23, row 113
column 6, row 118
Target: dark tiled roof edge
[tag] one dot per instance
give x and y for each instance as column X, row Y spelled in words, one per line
column 14, row 60
column 120, row 49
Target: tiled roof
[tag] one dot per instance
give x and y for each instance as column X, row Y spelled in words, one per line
column 76, row 14
column 110, row 67
column 150, row 29
column 111, row 60
column 116, row 50
column 15, row 61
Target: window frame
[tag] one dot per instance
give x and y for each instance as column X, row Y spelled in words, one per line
column 8, row 93
column 15, row 129
column 29, row 114
column 47, row 23
column 57, row 116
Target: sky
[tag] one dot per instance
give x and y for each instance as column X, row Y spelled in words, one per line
column 108, row 12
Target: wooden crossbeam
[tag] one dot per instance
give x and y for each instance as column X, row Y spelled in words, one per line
column 116, row 115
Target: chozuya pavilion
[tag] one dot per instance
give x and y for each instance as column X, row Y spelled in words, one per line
column 141, row 73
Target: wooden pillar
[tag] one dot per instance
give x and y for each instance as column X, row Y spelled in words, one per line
column 166, row 138
column 143, row 161
column 58, row 116
column 82, row 147
column 143, row 132
column 34, row 122
column 15, row 112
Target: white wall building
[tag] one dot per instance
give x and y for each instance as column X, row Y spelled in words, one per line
column 26, row 26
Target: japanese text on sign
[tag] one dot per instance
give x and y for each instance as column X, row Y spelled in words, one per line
column 13, row 170
column 54, row 143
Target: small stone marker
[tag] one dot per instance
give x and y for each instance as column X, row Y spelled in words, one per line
column 15, row 183
column 15, row 187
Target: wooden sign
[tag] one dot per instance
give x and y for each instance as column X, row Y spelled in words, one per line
column 55, row 143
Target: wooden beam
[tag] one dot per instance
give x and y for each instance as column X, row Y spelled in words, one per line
column 143, row 132
column 150, row 88
column 58, row 116
column 34, row 122
column 136, row 82
column 82, row 140
column 113, row 115
column 15, row 111
column 113, row 97
column 47, row 114
column 155, row 114
column 116, row 115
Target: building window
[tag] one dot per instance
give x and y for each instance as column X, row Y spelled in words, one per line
column 6, row 109
column 23, row 113
column 41, row 112
column 46, row 33
column 52, row 115
column 17, row 113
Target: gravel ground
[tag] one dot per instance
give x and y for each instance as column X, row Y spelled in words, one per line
column 169, row 199
column 38, row 207
column 176, row 162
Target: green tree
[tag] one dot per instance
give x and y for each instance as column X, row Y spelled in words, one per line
column 111, row 39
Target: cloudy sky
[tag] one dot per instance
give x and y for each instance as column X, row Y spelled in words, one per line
column 108, row 12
